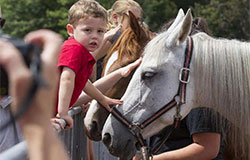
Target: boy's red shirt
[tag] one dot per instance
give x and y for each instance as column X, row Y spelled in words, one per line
column 76, row 57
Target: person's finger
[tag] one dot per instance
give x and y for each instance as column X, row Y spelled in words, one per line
column 107, row 107
column 49, row 40
column 18, row 73
column 55, row 124
column 57, row 121
column 117, row 101
column 131, row 67
column 135, row 64
column 11, row 58
column 51, row 43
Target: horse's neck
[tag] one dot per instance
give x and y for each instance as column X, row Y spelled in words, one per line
column 111, row 60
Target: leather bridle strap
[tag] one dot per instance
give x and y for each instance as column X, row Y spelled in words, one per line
column 184, row 74
column 178, row 100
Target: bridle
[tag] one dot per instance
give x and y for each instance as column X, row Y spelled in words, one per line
column 178, row 100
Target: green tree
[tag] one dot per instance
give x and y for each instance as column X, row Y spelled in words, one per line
column 23, row 16
column 227, row 18
column 158, row 12
column 185, row 5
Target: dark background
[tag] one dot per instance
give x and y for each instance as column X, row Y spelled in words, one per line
column 226, row 18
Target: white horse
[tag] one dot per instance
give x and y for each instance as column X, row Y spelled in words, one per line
column 219, row 78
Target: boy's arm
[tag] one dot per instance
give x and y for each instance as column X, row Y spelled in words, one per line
column 93, row 92
column 67, row 83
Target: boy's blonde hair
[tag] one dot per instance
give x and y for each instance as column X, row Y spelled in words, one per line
column 85, row 8
column 120, row 7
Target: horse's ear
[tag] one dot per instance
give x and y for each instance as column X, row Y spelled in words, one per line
column 125, row 22
column 182, row 30
column 134, row 23
column 177, row 20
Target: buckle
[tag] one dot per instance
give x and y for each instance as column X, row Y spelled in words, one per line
column 183, row 72
column 146, row 153
column 135, row 128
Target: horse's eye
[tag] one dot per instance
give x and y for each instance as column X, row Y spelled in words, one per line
column 148, row 75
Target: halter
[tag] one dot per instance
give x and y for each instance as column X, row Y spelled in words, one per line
column 178, row 100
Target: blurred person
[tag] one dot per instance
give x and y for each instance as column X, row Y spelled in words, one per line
column 42, row 140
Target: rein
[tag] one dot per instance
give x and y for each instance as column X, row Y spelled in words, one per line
column 178, row 100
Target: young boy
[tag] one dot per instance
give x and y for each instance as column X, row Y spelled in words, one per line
column 86, row 28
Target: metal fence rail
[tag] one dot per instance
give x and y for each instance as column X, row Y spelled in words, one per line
column 19, row 151
column 74, row 139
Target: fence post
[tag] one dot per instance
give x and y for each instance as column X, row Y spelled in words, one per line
column 76, row 148
column 75, row 139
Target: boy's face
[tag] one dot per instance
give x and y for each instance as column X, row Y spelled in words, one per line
column 89, row 32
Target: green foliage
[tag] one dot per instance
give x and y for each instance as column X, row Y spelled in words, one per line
column 158, row 12
column 106, row 3
column 227, row 18
column 23, row 16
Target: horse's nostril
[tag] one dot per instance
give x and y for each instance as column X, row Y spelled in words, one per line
column 137, row 145
column 93, row 127
column 106, row 139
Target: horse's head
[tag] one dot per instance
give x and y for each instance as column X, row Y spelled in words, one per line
column 126, row 49
column 154, row 84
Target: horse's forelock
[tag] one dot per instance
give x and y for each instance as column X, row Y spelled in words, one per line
column 155, row 48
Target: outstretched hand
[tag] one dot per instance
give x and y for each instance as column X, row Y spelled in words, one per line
column 106, row 101
column 125, row 71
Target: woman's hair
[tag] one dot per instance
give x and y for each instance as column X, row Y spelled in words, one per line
column 120, row 7
column 199, row 24
column 85, row 8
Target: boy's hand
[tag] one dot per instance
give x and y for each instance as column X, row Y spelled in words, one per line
column 125, row 71
column 106, row 101
column 67, row 118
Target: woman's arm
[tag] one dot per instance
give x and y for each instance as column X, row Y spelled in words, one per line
column 108, row 81
column 206, row 146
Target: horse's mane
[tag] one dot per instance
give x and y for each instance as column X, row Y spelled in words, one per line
column 129, row 47
column 222, row 80
column 126, row 45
